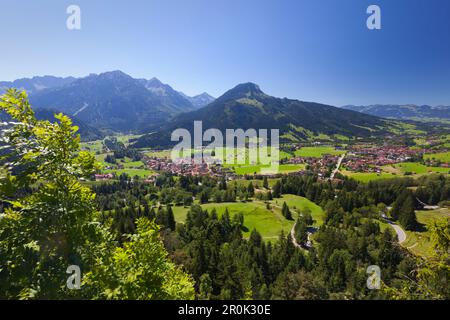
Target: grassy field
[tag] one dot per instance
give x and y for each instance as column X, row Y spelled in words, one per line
column 256, row 169
column 268, row 222
column 396, row 171
column 419, row 242
column 130, row 167
column 246, row 169
column 298, row 204
column 417, row 168
column 143, row 173
column 128, row 163
column 100, row 158
column 157, row 153
column 256, row 216
column 317, row 152
column 444, row 157
column 368, row 176
column 405, row 128
column 125, row 138
column 341, row 137
column 95, row 146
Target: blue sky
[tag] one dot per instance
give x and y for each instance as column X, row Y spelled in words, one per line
column 313, row 50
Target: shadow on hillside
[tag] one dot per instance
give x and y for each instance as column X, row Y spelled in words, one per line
column 420, row 227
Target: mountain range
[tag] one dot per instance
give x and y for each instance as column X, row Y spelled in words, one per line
column 247, row 106
column 110, row 101
column 404, row 112
column 116, row 102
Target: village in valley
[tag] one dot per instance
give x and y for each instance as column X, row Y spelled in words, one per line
column 363, row 161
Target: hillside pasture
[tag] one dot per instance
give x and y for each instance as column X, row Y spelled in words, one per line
column 419, row 242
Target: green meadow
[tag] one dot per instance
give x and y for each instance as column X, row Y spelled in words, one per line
column 418, row 168
column 268, row 222
column 368, row 176
column 126, row 138
column 419, row 242
column 256, row 169
column 413, row 169
column 95, row 147
column 256, row 216
column 298, row 204
column 156, row 153
column 317, row 152
column 444, row 156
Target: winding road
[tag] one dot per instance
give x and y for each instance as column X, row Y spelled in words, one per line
column 401, row 234
column 294, row 241
column 308, row 245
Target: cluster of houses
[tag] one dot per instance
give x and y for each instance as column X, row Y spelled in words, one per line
column 181, row 167
column 318, row 165
column 359, row 158
column 103, row 176
column 370, row 159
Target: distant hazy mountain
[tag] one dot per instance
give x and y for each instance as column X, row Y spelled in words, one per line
column 412, row 112
column 246, row 106
column 200, row 100
column 115, row 101
column 35, row 84
column 109, row 101
column 168, row 96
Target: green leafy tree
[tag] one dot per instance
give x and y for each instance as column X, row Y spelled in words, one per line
column 49, row 221
column 434, row 277
column 139, row 270
column 44, row 230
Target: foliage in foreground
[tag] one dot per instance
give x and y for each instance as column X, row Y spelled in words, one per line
column 48, row 221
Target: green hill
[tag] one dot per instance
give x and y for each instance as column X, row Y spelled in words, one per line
column 246, row 106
